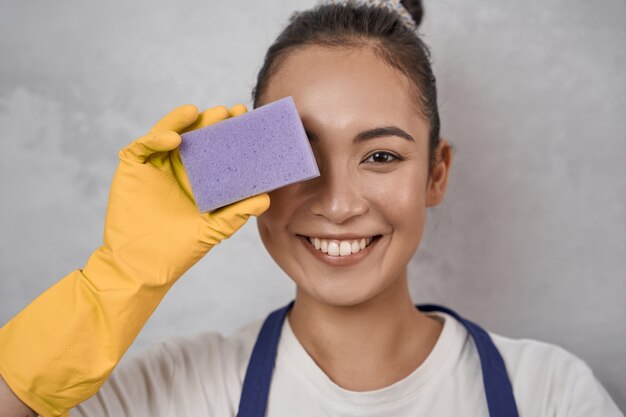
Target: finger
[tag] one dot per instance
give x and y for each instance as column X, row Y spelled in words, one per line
column 179, row 171
column 208, row 117
column 145, row 146
column 227, row 220
column 237, row 110
column 177, row 120
column 255, row 205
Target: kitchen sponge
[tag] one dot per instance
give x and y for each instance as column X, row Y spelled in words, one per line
column 256, row 152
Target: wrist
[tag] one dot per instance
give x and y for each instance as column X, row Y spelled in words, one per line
column 115, row 270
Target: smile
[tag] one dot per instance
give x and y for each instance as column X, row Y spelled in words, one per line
column 336, row 252
column 340, row 252
column 334, row 247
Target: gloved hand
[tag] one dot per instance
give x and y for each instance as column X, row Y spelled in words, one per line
column 60, row 349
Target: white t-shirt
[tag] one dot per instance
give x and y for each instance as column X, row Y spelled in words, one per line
column 203, row 375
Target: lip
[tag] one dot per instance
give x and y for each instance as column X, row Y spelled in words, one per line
column 348, row 260
column 344, row 236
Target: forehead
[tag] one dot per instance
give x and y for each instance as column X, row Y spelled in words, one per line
column 344, row 85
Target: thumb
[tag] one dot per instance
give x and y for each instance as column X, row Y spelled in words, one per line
column 254, row 206
column 227, row 220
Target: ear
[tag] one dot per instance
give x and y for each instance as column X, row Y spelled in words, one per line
column 438, row 180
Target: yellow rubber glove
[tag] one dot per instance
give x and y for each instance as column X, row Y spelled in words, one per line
column 60, row 349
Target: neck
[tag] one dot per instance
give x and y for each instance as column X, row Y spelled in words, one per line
column 386, row 333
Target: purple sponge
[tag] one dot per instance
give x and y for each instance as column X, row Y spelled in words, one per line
column 256, row 152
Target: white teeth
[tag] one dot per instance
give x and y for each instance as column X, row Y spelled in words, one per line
column 345, row 248
column 340, row 247
column 333, row 248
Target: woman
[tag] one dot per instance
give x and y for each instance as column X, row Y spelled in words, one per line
column 352, row 343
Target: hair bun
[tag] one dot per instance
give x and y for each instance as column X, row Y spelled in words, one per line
column 415, row 9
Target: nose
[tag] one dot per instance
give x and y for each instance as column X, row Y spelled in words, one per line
column 337, row 196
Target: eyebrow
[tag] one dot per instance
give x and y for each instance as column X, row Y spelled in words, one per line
column 376, row 132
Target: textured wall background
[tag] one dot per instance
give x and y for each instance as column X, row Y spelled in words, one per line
column 531, row 241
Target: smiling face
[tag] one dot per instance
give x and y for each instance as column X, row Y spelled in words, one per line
column 371, row 146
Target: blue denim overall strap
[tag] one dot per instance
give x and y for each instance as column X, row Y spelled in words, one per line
column 498, row 389
column 256, row 385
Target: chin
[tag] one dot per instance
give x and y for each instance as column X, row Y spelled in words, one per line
column 335, row 294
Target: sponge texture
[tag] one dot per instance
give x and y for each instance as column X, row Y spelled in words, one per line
column 256, row 152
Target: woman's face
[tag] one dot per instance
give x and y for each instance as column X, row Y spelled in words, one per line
column 371, row 147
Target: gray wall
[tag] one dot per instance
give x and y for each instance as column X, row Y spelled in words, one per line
column 530, row 242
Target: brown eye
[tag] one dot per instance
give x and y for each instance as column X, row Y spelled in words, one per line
column 382, row 157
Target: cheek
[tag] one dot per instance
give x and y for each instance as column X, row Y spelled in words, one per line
column 404, row 211
column 400, row 196
column 282, row 203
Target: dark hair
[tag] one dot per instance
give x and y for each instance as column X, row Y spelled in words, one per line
column 357, row 25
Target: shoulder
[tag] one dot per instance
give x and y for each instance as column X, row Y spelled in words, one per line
column 528, row 357
column 209, row 349
column 549, row 378
column 196, row 375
